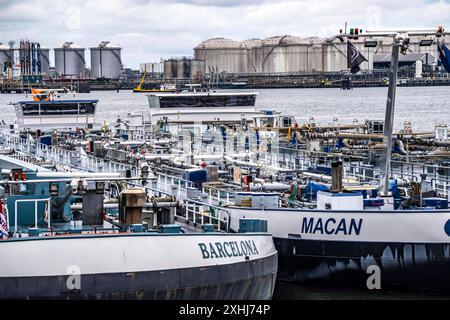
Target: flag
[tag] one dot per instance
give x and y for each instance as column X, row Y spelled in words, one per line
column 444, row 55
column 354, row 58
column 4, row 228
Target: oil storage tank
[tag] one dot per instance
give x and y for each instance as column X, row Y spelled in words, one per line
column 223, row 54
column 5, row 57
column 184, row 68
column 106, row 61
column 171, row 68
column 69, row 60
column 45, row 60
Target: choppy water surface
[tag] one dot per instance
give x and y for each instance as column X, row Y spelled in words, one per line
column 423, row 106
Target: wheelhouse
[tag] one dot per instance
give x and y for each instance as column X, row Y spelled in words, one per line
column 202, row 100
column 56, row 114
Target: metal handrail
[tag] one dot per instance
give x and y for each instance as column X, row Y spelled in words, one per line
column 168, row 183
column 16, row 201
column 62, row 156
column 197, row 214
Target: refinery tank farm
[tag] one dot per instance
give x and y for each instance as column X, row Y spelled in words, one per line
column 289, row 54
column 283, row 61
column 29, row 66
column 247, row 170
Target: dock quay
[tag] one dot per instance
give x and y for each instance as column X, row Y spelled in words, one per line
column 232, row 81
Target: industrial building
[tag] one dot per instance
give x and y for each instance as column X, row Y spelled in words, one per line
column 184, row 69
column 383, row 61
column 70, row 61
column 5, row 57
column 106, row 61
column 29, row 59
column 152, row 67
column 290, row 54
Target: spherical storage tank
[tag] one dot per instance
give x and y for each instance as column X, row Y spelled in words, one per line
column 69, row 60
column 106, row 61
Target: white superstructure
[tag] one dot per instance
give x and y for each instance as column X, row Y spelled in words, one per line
column 45, row 112
column 202, row 107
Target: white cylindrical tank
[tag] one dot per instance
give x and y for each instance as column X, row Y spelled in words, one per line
column 5, row 56
column 45, row 60
column 419, row 66
column 106, row 61
column 69, row 60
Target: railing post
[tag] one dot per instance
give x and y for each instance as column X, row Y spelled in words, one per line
column 49, row 214
column 15, row 219
column 35, row 214
column 202, row 216
column 219, row 219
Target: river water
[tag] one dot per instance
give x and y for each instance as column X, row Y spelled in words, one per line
column 422, row 106
column 289, row 291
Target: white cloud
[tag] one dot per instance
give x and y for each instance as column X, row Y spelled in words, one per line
column 150, row 29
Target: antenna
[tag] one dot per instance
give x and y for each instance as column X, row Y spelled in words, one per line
column 400, row 43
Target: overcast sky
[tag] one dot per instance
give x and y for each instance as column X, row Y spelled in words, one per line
column 148, row 30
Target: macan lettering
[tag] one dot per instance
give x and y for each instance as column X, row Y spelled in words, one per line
column 332, row 226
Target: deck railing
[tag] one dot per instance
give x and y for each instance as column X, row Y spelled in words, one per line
column 203, row 213
column 72, row 159
column 35, row 201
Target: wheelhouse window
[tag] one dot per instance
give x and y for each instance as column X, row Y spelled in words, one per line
column 87, row 108
column 206, row 101
column 36, row 109
column 58, row 109
column 30, row 109
column 287, row 122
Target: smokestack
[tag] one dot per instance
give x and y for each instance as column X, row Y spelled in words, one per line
column 336, row 176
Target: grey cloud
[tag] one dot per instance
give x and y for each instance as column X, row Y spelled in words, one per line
column 150, row 29
column 216, row 3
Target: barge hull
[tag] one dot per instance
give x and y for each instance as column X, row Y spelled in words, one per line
column 252, row 279
column 405, row 266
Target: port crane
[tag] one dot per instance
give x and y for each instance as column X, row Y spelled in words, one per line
column 162, row 88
